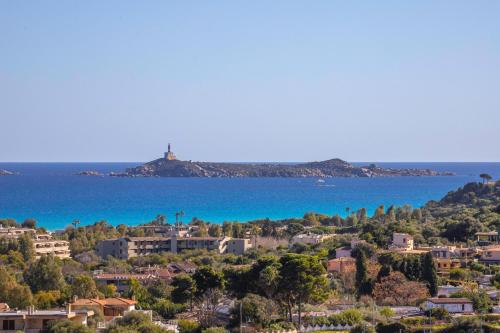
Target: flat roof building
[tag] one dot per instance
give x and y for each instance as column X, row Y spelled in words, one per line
column 129, row 247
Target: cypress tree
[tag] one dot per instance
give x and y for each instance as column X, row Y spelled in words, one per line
column 363, row 284
column 429, row 274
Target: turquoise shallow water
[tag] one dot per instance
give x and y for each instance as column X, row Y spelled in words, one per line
column 54, row 196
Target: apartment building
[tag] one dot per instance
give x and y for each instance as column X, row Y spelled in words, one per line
column 128, row 247
column 13, row 232
column 37, row 321
column 45, row 244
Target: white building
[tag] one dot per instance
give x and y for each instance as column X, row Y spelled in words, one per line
column 309, row 238
column 402, row 241
column 447, row 290
column 453, row 305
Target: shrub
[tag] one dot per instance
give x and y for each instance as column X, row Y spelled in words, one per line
column 439, row 314
column 168, row 309
column 391, row 328
column 214, row 330
column 188, row 326
column 363, row 328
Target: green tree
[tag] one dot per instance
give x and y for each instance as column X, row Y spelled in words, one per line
column 485, row 177
column 108, row 290
column 215, row 230
column 227, row 229
column 47, row 299
column 45, row 274
column 379, row 212
column 84, row 286
column 184, row 288
column 29, row 223
column 429, row 274
column 207, row 278
column 254, row 308
column 302, row 280
column 140, row 293
column 363, row 283
column 26, row 247
column 67, row 326
column 237, row 230
column 167, row 309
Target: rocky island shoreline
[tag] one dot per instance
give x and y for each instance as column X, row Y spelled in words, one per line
column 170, row 166
column 4, row 172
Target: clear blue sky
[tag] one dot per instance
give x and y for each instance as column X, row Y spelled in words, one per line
column 250, row 80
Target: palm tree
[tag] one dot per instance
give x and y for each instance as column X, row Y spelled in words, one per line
column 181, row 213
column 75, row 223
column 486, row 177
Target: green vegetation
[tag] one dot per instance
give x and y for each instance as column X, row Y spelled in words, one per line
column 275, row 286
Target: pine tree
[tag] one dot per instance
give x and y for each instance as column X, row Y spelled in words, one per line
column 429, row 274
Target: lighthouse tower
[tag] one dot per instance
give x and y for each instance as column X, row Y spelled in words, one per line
column 169, row 155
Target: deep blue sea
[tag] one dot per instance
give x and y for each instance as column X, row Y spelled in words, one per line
column 52, row 194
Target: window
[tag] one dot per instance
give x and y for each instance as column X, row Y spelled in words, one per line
column 9, row 324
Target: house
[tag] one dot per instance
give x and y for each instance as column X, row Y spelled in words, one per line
column 444, row 266
column 182, row 267
column 309, row 238
column 36, row 321
column 342, row 265
column 121, row 281
column 402, row 242
column 453, row 305
column 490, row 255
column 447, row 290
column 111, row 307
column 345, row 251
column 485, row 238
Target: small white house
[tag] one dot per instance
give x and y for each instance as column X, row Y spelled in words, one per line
column 447, row 290
column 402, row 241
column 309, row 238
column 453, row 305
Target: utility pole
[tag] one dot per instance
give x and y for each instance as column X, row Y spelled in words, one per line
column 430, row 320
column 241, row 316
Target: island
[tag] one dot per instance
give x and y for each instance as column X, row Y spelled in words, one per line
column 91, row 173
column 4, row 172
column 170, row 166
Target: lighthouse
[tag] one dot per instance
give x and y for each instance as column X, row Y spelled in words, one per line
column 169, row 155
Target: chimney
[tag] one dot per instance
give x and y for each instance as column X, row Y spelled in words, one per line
column 68, row 307
column 75, row 298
